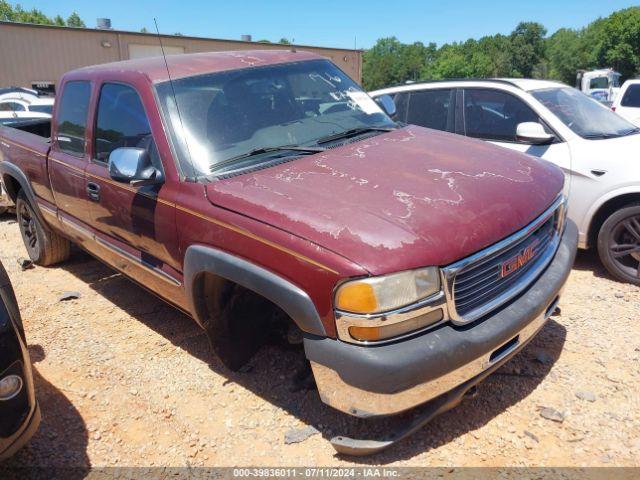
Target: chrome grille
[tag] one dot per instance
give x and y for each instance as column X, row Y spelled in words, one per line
column 490, row 278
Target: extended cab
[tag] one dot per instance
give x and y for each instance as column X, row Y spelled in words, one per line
column 244, row 187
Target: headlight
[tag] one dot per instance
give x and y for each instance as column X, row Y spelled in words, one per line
column 381, row 294
column 561, row 216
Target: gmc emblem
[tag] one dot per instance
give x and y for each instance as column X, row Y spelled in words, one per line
column 518, row 261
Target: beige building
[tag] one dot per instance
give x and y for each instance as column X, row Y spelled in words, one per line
column 35, row 56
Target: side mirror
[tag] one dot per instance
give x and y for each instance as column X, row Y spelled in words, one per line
column 133, row 165
column 533, row 133
column 387, row 104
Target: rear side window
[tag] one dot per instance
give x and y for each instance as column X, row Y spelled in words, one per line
column 431, row 109
column 401, row 100
column 11, row 107
column 631, row 96
column 494, row 115
column 121, row 121
column 72, row 117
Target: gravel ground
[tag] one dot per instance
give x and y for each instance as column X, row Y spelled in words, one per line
column 125, row 380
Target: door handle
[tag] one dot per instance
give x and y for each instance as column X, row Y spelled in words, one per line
column 93, row 191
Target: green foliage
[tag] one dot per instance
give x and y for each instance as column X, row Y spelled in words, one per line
column 284, row 41
column 9, row 13
column 526, row 45
column 566, row 54
column 526, row 52
column 74, row 20
column 619, row 45
column 391, row 61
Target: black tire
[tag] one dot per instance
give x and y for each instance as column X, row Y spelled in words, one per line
column 43, row 246
column 619, row 244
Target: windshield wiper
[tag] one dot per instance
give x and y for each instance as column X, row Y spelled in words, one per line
column 600, row 136
column 352, row 132
column 605, row 136
column 630, row 132
column 261, row 150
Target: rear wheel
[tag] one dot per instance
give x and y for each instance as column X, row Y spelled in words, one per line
column 44, row 246
column 619, row 244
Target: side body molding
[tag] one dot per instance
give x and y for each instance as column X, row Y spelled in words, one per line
column 10, row 170
column 290, row 298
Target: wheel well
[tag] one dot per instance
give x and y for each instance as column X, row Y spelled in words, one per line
column 605, row 210
column 237, row 320
column 12, row 187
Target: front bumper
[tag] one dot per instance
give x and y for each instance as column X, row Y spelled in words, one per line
column 24, row 434
column 388, row 379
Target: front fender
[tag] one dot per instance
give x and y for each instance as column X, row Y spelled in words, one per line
column 294, row 301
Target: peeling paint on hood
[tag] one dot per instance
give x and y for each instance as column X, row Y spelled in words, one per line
column 399, row 200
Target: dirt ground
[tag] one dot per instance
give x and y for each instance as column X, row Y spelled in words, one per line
column 125, row 380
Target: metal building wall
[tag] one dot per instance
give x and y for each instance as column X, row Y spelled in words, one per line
column 37, row 53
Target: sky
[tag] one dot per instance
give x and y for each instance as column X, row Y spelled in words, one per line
column 332, row 23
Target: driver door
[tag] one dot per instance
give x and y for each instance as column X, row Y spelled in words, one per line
column 134, row 226
column 493, row 115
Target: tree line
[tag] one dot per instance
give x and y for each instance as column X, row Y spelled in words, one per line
column 527, row 52
column 9, row 13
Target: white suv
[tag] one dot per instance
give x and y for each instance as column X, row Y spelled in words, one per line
column 627, row 103
column 597, row 149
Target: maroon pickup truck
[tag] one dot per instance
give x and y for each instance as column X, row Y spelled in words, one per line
column 244, row 187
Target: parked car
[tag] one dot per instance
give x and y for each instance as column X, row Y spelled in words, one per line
column 17, row 93
column 19, row 410
column 236, row 185
column 627, row 104
column 19, row 104
column 596, row 149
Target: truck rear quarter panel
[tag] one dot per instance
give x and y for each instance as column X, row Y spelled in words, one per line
column 28, row 152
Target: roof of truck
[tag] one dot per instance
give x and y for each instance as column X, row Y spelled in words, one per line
column 186, row 65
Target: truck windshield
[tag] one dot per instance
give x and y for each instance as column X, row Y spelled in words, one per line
column 583, row 115
column 239, row 113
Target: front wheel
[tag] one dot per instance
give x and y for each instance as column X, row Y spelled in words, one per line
column 619, row 244
column 43, row 246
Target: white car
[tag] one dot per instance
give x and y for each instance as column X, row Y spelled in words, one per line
column 627, row 103
column 30, row 108
column 597, row 149
column 19, row 103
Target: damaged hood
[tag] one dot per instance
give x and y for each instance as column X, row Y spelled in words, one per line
column 399, row 200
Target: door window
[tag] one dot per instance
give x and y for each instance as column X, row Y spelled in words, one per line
column 11, row 107
column 72, row 117
column 431, row 109
column 494, row 115
column 631, row 96
column 401, row 100
column 121, row 122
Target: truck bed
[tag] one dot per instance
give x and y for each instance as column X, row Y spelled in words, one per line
column 26, row 146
